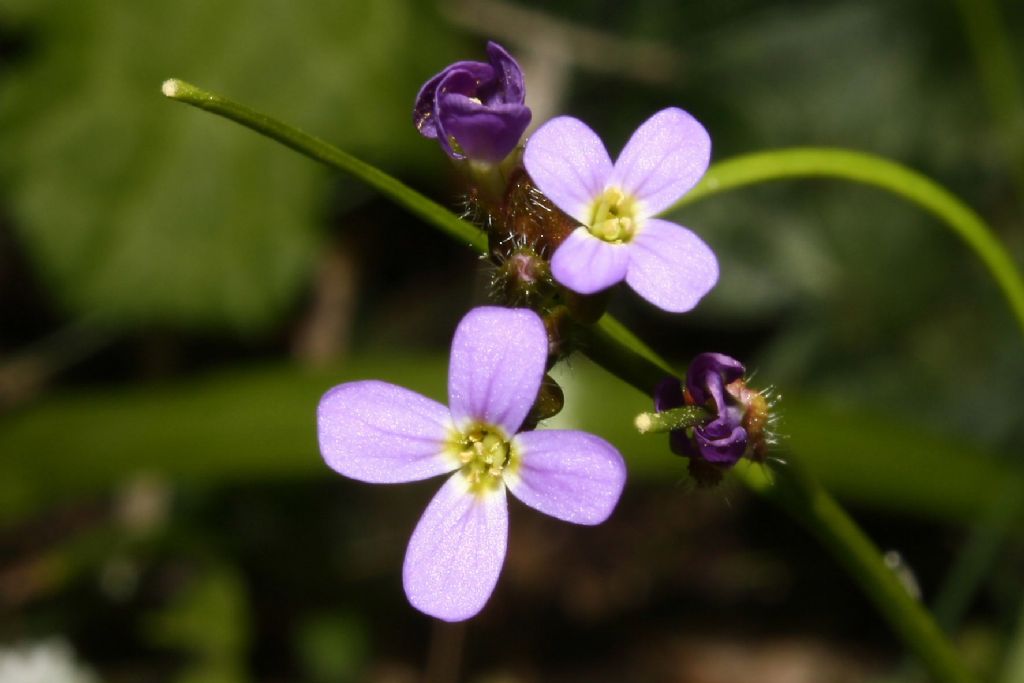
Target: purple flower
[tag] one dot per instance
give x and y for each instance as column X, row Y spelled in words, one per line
column 723, row 440
column 381, row 433
column 615, row 203
column 478, row 107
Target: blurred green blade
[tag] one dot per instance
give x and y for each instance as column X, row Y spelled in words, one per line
column 260, row 423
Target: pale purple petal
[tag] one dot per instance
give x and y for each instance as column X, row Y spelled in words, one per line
column 666, row 156
column 586, row 264
column 456, row 551
column 497, row 362
column 574, row 476
column 569, row 164
column 381, row 433
column 670, row 266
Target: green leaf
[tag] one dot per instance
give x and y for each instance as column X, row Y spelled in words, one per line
column 141, row 212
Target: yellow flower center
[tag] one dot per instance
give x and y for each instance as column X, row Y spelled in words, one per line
column 613, row 216
column 485, row 453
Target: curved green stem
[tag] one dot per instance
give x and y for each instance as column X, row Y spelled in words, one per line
column 319, row 150
column 796, row 491
column 868, row 169
column 613, row 346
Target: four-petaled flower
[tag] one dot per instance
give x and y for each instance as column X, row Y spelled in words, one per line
column 618, row 238
column 382, row 433
column 477, row 106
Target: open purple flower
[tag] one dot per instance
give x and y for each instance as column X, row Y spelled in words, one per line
column 474, row 109
column 723, row 440
column 615, row 203
column 381, row 433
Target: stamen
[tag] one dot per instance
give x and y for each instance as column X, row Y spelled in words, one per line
column 484, row 453
column 613, row 217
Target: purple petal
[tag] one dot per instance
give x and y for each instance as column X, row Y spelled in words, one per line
column 568, row 162
column 571, row 475
column 587, row 264
column 670, row 266
column 666, row 156
column 381, row 433
column 722, row 441
column 707, row 374
column 485, row 133
column 668, row 394
column 511, row 88
column 456, row 551
column 466, row 76
column 497, row 362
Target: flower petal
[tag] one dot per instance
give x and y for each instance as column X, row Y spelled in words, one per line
column 586, row 264
column 666, row 156
column 456, row 551
column 509, row 87
column 497, row 362
column 722, row 441
column 707, row 375
column 381, row 433
column 466, row 76
column 670, row 266
column 485, row 133
column 574, row 476
column 568, row 162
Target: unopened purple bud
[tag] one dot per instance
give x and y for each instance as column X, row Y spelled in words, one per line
column 475, row 110
column 723, row 440
column 719, row 443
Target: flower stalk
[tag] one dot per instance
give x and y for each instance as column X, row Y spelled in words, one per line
column 614, row 347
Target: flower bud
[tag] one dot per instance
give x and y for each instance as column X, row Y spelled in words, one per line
column 522, row 279
column 739, row 422
column 475, row 110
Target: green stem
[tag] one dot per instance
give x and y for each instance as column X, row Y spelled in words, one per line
column 319, row 150
column 868, row 169
column 793, row 489
column 613, row 346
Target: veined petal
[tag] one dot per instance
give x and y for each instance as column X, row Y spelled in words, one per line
column 666, row 156
column 587, row 264
column 574, row 476
column 381, row 433
column 568, row 162
column 497, row 362
column 456, row 551
column 670, row 266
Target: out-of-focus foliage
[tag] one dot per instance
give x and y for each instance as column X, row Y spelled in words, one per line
column 142, row 211
column 899, row 366
column 208, row 621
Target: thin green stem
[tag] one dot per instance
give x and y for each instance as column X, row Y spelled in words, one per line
column 613, row 346
column 793, row 489
column 868, row 169
column 319, row 150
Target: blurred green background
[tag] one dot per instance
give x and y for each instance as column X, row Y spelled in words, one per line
column 176, row 293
